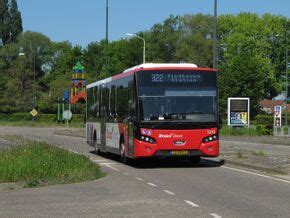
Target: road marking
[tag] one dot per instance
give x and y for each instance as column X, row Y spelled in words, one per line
column 106, row 163
column 191, row 203
column 127, row 174
column 98, row 160
column 169, row 192
column 138, row 178
column 113, row 168
column 257, row 174
column 215, row 215
column 151, row 184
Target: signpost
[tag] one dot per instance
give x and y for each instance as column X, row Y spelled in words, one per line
column 34, row 112
column 277, row 116
column 67, row 115
column 239, row 112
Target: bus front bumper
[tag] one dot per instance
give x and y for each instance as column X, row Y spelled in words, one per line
column 143, row 149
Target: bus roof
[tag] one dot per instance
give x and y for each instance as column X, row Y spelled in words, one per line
column 161, row 65
column 148, row 66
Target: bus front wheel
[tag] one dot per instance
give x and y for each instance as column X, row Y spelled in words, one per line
column 123, row 157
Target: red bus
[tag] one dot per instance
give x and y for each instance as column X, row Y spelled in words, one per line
column 155, row 110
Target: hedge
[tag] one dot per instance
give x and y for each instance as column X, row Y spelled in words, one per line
column 268, row 120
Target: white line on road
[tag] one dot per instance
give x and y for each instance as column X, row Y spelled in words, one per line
column 215, row 215
column 191, row 203
column 138, row 178
column 169, row 192
column 98, row 160
column 113, row 168
column 257, row 174
column 106, row 163
column 151, row 184
column 127, row 174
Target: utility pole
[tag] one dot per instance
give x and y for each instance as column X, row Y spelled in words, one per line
column 107, row 35
column 215, row 36
column 287, row 66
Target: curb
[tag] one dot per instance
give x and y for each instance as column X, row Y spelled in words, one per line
column 255, row 167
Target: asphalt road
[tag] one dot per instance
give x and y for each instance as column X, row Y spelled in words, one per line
column 160, row 189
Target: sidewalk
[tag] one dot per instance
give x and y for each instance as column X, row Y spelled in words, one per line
column 251, row 152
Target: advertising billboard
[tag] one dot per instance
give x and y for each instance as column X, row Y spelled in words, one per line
column 238, row 111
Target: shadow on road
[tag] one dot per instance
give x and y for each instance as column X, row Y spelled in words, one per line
column 148, row 163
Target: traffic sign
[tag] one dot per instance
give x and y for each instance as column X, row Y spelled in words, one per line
column 67, row 115
column 33, row 112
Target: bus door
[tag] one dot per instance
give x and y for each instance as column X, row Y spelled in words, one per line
column 103, row 98
column 132, row 115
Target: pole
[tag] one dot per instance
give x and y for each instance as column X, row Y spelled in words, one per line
column 107, row 34
column 144, row 51
column 215, row 36
column 33, row 89
column 286, row 115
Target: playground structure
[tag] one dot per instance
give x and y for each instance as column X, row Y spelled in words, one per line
column 76, row 94
column 78, row 89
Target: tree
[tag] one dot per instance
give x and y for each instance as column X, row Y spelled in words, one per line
column 195, row 41
column 245, row 63
column 4, row 22
column 15, row 21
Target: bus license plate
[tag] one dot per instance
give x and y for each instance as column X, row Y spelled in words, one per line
column 180, row 152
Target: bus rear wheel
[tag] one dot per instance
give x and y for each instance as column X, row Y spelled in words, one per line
column 123, row 157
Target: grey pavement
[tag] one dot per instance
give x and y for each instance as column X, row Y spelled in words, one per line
column 155, row 189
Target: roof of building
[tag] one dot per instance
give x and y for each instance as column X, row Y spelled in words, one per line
column 268, row 105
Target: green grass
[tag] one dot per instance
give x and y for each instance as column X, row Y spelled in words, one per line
column 240, row 131
column 39, row 164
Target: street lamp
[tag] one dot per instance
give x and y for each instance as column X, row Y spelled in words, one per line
column 21, row 53
column 144, row 44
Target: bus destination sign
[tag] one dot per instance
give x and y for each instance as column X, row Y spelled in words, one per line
column 175, row 78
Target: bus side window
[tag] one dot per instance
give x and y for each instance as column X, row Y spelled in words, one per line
column 112, row 100
column 96, row 101
column 122, row 101
column 132, row 102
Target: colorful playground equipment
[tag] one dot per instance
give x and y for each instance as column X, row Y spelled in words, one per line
column 76, row 94
column 78, row 89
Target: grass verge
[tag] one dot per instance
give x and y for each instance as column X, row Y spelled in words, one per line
column 41, row 124
column 39, row 164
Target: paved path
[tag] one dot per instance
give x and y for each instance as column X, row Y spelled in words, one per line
column 160, row 189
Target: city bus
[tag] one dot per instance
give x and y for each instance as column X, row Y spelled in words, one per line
column 155, row 110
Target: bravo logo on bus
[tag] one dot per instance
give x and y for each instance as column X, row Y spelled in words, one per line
column 169, row 136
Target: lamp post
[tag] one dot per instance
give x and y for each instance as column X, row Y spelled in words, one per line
column 144, row 45
column 21, row 53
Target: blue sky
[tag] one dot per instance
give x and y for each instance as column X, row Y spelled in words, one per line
column 83, row 21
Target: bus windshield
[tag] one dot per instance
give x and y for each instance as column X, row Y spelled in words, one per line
column 177, row 95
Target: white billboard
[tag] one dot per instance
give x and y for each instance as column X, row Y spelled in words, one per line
column 238, row 111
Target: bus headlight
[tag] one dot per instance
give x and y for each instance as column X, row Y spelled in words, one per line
column 210, row 138
column 148, row 139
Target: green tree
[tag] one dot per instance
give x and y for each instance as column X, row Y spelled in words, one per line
column 4, row 22
column 15, row 21
column 245, row 63
column 195, row 41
